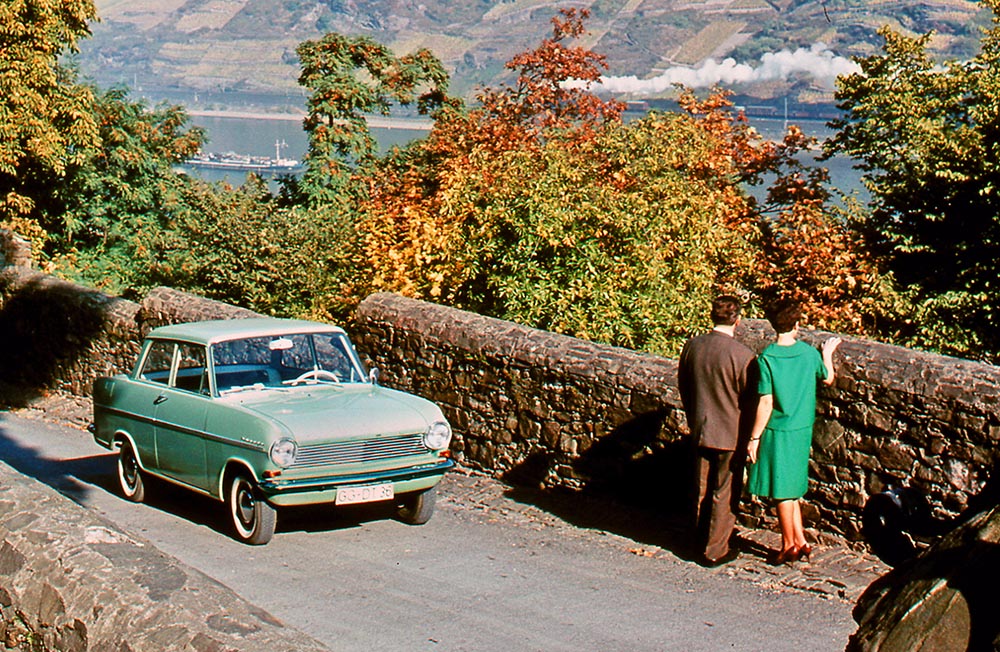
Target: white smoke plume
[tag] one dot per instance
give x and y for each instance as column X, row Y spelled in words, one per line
column 817, row 61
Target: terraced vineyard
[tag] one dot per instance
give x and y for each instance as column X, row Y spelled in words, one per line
column 220, row 52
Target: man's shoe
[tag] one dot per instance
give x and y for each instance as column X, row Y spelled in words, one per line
column 724, row 559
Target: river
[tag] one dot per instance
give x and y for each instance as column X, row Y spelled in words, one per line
column 257, row 135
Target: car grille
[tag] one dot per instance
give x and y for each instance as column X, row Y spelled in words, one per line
column 351, row 452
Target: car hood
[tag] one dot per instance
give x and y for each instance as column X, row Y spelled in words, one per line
column 331, row 412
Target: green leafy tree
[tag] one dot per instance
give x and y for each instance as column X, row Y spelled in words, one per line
column 120, row 189
column 46, row 122
column 252, row 251
column 611, row 239
column 349, row 77
column 927, row 137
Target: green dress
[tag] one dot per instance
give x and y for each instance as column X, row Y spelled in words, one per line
column 789, row 374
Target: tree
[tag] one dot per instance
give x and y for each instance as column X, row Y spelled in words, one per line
column 121, row 187
column 927, row 136
column 541, row 206
column 252, row 252
column 553, row 81
column 46, row 126
column 348, row 78
column 801, row 244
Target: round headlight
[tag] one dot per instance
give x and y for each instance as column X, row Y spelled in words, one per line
column 438, row 436
column 283, row 452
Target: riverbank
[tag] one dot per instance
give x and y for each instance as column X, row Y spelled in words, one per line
column 375, row 122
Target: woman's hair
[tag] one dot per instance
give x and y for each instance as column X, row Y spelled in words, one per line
column 725, row 310
column 784, row 313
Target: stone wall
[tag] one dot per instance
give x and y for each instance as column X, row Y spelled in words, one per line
column 70, row 581
column 60, row 336
column 536, row 407
column 542, row 409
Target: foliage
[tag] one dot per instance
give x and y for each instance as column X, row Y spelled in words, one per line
column 552, row 85
column 348, row 78
column 542, row 207
column 801, row 245
column 80, row 170
column 928, row 138
column 46, row 125
column 612, row 239
column 413, row 243
column 122, row 186
column 538, row 205
column 252, row 252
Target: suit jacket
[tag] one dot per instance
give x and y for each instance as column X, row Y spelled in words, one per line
column 717, row 386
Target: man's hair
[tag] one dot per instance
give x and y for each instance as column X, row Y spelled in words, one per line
column 725, row 310
column 784, row 313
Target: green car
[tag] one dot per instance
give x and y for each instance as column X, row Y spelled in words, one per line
column 266, row 413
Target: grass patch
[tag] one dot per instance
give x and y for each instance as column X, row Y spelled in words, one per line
column 705, row 42
column 213, row 15
column 444, row 47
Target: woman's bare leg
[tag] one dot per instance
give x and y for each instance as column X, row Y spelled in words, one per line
column 800, row 533
column 787, row 510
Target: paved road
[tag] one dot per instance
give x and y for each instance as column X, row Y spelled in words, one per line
column 487, row 573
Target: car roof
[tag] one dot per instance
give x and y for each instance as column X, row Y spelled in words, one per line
column 220, row 330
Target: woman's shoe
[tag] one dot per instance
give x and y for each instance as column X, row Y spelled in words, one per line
column 787, row 556
column 804, row 551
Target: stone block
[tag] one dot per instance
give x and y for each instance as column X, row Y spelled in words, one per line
column 894, row 455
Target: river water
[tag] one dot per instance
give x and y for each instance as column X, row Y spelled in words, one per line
column 269, row 136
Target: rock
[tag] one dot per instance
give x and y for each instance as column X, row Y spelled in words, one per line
column 942, row 600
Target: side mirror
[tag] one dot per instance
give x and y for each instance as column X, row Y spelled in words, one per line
column 373, row 375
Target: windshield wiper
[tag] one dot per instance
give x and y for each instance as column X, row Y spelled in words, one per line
column 243, row 388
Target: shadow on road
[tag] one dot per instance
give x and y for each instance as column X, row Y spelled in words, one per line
column 638, row 485
column 78, row 477
column 74, row 478
column 213, row 514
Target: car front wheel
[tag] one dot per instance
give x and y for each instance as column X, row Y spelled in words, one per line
column 417, row 508
column 129, row 474
column 253, row 519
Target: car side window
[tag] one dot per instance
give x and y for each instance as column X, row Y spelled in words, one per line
column 244, row 363
column 156, row 366
column 192, row 373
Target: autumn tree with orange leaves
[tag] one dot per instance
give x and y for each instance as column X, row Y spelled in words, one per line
column 804, row 244
column 541, row 206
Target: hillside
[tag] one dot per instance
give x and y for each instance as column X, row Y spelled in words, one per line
column 219, row 53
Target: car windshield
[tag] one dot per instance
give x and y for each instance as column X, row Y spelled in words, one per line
column 285, row 360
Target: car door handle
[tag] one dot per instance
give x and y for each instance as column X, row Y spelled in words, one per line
column 159, row 399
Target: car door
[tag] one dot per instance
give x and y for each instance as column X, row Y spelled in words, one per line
column 136, row 401
column 180, row 418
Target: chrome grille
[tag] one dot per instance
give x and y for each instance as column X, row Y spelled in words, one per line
column 352, row 452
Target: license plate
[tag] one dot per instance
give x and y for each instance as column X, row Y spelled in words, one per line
column 368, row 494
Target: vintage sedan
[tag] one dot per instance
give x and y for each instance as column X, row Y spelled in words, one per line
column 265, row 413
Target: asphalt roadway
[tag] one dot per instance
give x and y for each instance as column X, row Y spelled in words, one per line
column 494, row 570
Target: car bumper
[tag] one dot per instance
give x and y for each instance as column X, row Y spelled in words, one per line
column 315, row 491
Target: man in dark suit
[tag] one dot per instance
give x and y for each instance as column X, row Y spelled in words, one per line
column 715, row 379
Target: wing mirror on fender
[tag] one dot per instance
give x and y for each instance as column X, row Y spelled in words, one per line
column 373, row 375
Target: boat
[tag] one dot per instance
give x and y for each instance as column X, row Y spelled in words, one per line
column 246, row 162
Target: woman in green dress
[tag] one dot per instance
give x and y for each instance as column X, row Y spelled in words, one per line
column 782, row 431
